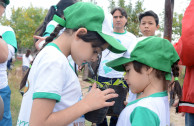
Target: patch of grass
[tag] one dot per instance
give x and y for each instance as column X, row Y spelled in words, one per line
column 16, row 98
column 17, row 63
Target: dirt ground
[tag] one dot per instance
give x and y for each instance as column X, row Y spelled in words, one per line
column 175, row 119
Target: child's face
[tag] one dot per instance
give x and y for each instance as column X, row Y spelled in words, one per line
column 148, row 26
column 83, row 52
column 137, row 82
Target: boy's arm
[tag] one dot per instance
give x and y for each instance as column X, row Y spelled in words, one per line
column 185, row 45
column 4, row 51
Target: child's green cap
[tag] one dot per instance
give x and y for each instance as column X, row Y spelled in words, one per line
column 93, row 18
column 152, row 51
column 6, row 2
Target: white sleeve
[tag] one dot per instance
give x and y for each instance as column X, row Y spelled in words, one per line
column 50, row 76
column 40, row 45
column 30, row 58
column 11, row 51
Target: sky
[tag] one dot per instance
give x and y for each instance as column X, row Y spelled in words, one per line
column 155, row 5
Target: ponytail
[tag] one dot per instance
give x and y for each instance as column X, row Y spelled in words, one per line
column 48, row 40
column 175, row 85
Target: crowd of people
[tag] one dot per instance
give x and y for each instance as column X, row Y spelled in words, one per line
column 140, row 71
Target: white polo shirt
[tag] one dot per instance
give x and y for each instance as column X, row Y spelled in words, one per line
column 149, row 111
column 51, row 77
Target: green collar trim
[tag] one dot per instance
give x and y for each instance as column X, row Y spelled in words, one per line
column 120, row 33
column 159, row 94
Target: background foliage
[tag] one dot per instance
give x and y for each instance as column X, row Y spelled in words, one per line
column 25, row 21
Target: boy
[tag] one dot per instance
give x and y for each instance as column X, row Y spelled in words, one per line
column 148, row 23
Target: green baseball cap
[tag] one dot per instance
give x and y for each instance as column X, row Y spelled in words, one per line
column 6, row 2
column 93, row 18
column 152, row 51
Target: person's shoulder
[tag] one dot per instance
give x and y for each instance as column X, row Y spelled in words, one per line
column 130, row 35
column 5, row 29
column 146, row 102
column 52, row 53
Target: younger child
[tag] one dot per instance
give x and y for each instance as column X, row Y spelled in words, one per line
column 148, row 71
column 53, row 92
column 148, row 23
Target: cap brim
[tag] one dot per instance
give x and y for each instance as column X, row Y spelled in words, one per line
column 115, row 46
column 6, row 2
column 118, row 63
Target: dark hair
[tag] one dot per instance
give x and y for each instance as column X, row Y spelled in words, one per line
column 123, row 12
column 149, row 13
column 90, row 36
column 138, row 66
column 3, row 3
column 58, row 10
column 175, row 85
column 28, row 53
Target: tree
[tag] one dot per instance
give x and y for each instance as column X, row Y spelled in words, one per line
column 112, row 4
column 176, row 26
column 25, row 21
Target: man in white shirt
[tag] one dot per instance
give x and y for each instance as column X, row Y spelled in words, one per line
column 107, row 74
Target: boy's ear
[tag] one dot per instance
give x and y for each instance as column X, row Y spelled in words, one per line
column 158, row 26
column 149, row 70
column 81, row 31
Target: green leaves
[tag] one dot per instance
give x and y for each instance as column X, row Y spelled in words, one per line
column 106, row 84
column 25, row 21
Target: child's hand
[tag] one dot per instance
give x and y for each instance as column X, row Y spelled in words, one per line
column 80, row 68
column 96, row 98
column 40, row 39
column 125, row 103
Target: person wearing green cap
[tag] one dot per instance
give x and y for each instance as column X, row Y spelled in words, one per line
column 51, row 86
column 148, row 71
column 8, row 36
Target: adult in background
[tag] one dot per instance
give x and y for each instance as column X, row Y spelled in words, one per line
column 127, row 39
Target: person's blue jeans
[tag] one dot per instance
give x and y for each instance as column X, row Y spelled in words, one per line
column 113, row 119
column 5, row 94
column 189, row 119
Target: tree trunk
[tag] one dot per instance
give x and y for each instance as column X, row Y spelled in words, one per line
column 168, row 19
